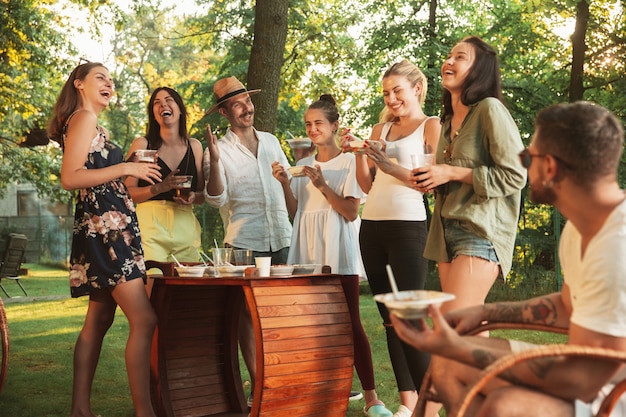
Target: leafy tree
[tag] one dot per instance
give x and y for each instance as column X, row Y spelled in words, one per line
column 31, row 73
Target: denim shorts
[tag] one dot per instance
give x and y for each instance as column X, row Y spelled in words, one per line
column 461, row 241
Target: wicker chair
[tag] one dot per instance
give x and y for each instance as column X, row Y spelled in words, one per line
column 511, row 360
column 506, row 362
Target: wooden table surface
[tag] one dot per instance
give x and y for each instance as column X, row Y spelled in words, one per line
column 303, row 340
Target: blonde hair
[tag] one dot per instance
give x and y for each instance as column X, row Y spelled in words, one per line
column 413, row 74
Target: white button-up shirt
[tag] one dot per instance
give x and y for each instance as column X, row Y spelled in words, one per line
column 252, row 204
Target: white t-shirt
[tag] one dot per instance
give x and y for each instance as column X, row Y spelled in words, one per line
column 390, row 198
column 596, row 281
column 320, row 234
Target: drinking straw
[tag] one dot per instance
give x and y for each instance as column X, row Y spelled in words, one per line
column 176, row 260
column 392, row 281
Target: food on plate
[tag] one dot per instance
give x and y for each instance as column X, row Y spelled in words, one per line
column 297, row 171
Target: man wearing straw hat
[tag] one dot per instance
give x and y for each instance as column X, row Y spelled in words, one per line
column 239, row 181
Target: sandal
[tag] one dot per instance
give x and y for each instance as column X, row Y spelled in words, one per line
column 376, row 408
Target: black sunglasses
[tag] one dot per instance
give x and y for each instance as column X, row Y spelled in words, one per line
column 526, row 158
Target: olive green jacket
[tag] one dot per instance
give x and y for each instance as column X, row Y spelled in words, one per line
column 488, row 142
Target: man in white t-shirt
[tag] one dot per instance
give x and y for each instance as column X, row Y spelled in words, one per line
column 572, row 164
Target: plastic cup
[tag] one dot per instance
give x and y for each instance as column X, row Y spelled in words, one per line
column 242, row 256
column 221, row 256
column 422, row 160
column 263, row 263
column 146, row 155
column 183, row 189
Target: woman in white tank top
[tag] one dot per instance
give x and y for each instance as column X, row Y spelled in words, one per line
column 393, row 228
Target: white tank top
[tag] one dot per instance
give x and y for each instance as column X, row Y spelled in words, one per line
column 389, row 198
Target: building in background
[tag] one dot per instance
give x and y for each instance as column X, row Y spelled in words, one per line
column 47, row 225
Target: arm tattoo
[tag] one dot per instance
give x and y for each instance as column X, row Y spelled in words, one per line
column 531, row 311
column 507, row 312
column 483, row 358
column 542, row 311
column 538, row 367
column 541, row 366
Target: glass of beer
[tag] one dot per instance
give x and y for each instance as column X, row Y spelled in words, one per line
column 146, row 155
column 183, row 189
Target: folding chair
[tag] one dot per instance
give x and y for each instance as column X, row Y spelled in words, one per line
column 12, row 260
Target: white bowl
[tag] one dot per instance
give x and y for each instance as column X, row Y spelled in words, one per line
column 299, row 143
column 297, row 171
column 358, row 146
column 413, row 304
column 279, row 270
column 190, row 271
column 232, row 270
column 303, row 269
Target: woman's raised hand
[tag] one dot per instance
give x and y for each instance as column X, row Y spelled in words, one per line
column 211, row 144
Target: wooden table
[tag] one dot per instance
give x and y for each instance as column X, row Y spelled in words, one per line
column 303, row 339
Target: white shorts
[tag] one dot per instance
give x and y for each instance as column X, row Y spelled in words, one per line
column 581, row 409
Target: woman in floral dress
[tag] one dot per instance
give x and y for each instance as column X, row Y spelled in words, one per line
column 106, row 259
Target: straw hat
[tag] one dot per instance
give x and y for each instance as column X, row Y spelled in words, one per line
column 228, row 88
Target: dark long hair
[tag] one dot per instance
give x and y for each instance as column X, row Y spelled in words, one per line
column 68, row 101
column 483, row 79
column 153, row 131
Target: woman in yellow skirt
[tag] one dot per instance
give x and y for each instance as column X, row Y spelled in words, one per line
column 165, row 209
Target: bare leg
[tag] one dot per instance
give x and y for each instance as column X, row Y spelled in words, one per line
column 408, row 399
column 132, row 299
column 469, row 278
column 100, row 315
column 514, row 401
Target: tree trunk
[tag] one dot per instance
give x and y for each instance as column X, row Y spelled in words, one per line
column 266, row 60
column 579, row 49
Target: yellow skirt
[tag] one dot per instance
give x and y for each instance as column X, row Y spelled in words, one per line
column 169, row 228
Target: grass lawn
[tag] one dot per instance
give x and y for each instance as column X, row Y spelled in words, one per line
column 43, row 329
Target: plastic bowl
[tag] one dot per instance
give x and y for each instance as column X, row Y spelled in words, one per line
column 299, row 143
column 303, row 269
column 190, row 271
column 297, row 171
column 413, row 304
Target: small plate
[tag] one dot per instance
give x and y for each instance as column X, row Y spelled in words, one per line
column 232, row 270
column 413, row 304
column 303, row 269
column 280, row 270
column 299, row 143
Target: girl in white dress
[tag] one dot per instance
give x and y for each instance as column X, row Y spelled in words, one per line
column 324, row 203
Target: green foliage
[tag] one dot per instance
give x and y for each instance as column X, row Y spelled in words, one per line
column 339, row 47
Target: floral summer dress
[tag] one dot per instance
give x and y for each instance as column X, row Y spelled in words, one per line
column 106, row 246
